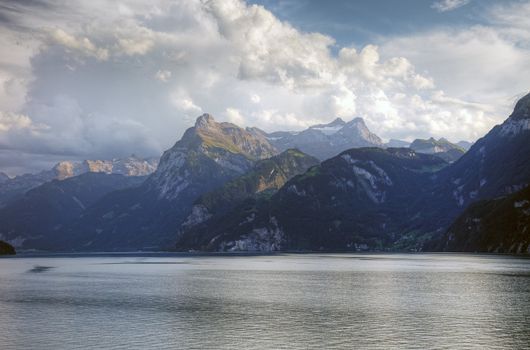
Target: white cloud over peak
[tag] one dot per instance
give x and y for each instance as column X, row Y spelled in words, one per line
column 105, row 79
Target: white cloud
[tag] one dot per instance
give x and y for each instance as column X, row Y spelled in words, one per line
column 82, row 45
column 93, row 75
column 12, row 121
column 163, row 75
column 234, row 116
column 448, row 5
column 184, row 103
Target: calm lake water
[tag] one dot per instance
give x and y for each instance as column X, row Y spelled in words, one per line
column 312, row 301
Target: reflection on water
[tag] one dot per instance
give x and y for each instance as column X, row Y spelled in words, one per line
column 265, row 302
column 38, row 268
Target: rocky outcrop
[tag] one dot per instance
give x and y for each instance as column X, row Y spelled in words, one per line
column 6, row 249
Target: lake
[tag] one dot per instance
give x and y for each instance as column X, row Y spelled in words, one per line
column 290, row 301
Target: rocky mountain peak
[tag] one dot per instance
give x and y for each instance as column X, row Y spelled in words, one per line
column 66, row 169
column 329, row 128
column 519, row 120
column 204, row 121
column 338, row 121
column 522, row 108
column 357, row 129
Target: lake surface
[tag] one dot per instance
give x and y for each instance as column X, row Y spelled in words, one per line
column 311, row 301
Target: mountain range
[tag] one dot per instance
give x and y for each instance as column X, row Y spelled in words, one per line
column 370, row 198
column 331, row 187
column 11, row 188
column 327, row 140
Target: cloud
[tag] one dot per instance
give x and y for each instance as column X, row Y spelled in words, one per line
column 11, row 121
column 105, row 79
column 82, row 45
column 234, row 116
column 478, row 64
column 448, row 5
column 163, row 75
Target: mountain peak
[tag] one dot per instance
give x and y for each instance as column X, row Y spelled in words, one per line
column 519, row 120
column 522, row 108
column 358, row 124
column 332, row 127
column 204, row 120
column 337, row 121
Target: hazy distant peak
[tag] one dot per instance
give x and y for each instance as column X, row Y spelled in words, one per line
column 335, row 125
column 130, row 166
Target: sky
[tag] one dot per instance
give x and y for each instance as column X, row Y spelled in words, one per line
column 106, row 79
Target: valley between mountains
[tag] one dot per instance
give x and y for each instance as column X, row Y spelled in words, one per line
column 331, row 187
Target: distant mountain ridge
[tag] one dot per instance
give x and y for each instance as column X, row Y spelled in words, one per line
column 327, row 140
column 442, row 148
column 130, row 166
column 36, row 218
column 11, row 188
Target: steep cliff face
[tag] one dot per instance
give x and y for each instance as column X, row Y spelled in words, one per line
column 496, row 166
column 208, row 152
column 499, row 225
